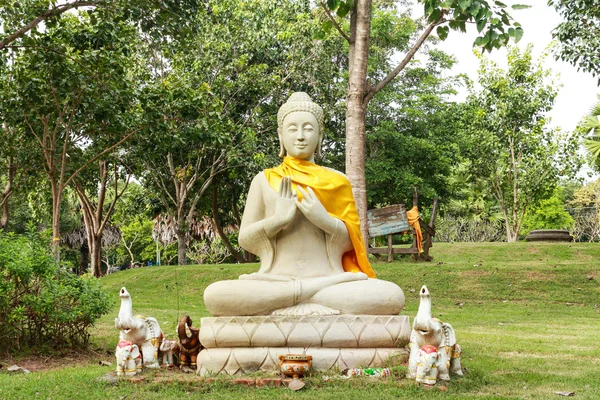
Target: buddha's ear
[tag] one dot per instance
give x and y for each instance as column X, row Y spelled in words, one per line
column 281, row 146
column 319, row 154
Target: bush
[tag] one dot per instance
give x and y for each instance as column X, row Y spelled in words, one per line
column 548, row 214
column 43, row 304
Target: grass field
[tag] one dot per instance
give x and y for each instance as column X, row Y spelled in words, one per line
column 526, row 314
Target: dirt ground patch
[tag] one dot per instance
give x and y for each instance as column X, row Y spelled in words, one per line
column 36, row 363
column 475, row 273
column 539, row 275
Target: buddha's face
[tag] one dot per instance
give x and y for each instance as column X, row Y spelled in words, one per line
column 300, row 135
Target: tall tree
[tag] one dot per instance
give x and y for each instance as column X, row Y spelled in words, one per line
column 493, row 23
column 97, row 206
column 579, row 33
column 513, row 148
column 74, row 89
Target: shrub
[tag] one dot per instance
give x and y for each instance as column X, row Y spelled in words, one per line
column 43, row 304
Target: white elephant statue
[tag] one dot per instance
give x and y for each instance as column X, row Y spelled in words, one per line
column 169, row 348
column 129, row 358
column 429, row 331
column 144, row 332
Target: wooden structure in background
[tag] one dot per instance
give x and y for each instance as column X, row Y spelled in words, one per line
column 392, row 220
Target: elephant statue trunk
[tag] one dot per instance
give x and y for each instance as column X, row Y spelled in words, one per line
column 189, row 342
column 422, row 324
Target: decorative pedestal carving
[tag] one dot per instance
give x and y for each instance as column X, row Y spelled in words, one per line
column 238, row 345
column 244, row 360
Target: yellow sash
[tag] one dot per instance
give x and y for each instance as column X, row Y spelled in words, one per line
column 335, row 193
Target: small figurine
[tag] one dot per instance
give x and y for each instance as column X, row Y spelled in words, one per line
column 189, row 343
column 169, row 348
column 144, row 332
column 129, row 359
column 427, row 365
column 429, row 331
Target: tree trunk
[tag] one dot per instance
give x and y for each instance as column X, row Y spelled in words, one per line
column 96, row 255
column 356, row 110
column 7, row 193
column 56, row 200
column 217, row 226
column 181, row 247
column 84, row 254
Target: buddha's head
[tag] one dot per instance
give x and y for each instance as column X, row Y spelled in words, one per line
column 300, row 127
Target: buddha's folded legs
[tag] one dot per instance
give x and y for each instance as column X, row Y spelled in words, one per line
column 340, row 292
column 372, row 297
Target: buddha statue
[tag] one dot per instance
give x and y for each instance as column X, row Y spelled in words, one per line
column 301, row 220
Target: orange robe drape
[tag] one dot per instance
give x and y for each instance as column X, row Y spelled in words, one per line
column 413, row 220
column 335, row 193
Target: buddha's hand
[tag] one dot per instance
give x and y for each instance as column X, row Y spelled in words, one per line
column 285, row 207
column 314, row 211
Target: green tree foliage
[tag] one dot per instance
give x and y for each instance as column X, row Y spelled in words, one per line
column 42, row 305
column 549, row 213
column 137, row 246
column 73, row 96
column 579, row 33
column 512, row 146
column 409, row 140
column 591, row 127
column 20, row 19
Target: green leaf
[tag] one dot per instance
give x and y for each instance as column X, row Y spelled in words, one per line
column 435, row 15
column 327, row 25
column 343, row 10
column 520, row 6
column 481, row 24
column 464, row 4
column 518, row 34
column 480, row 41
column 333, row 4
column 442, row 32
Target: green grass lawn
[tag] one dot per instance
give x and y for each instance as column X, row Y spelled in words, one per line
column 526, row 314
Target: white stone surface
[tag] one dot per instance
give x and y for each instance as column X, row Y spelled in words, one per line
column 347, row 331
column 244, row 360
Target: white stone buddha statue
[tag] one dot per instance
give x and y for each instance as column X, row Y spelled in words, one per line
column 301, row 220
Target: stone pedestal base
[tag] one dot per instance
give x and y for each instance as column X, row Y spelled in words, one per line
column 245, row 344
column 348, row 331
column 244, row 360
